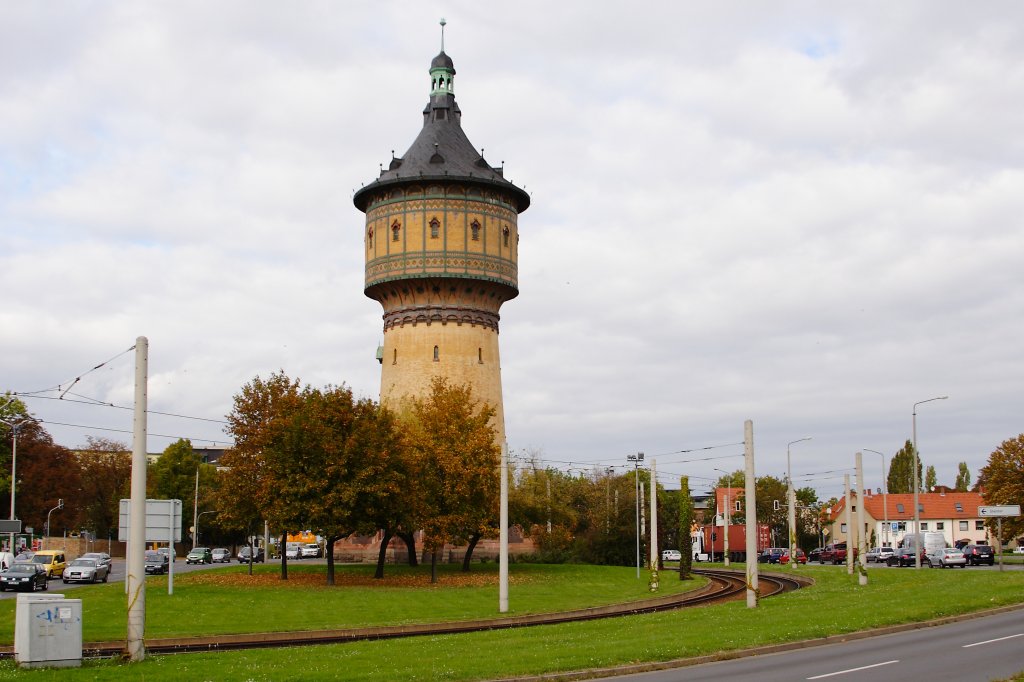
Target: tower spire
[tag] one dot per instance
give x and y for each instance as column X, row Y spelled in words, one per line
column 443, row 22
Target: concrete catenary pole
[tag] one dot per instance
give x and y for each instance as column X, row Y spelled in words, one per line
column 135, row 576
column 849, row 525
column 503, row 534
column 751, row 509
column 862, row 549
column 654, row 514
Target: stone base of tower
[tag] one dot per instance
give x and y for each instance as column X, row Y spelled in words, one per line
column 414, row 354
column 366, row 548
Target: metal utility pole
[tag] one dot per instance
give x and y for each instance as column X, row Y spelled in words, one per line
column 849, row 524
column 791, row 497
column 636, row 459
column 654, row 514
column 15, row 424
column 751, row 495
column 195, row 514
column 727, row 513
column 917, row 483
column 135, row 575
column 503, row 534
column 862, row 570
column 885, row 503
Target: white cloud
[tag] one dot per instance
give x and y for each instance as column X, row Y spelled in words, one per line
column 805, row 216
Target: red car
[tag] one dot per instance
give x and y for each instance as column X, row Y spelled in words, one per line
column 801, row 558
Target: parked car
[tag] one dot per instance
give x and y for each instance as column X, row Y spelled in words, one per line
column 293, row 551
column 815, row 554
column 24, row 576
column 772, row 555
column 801, row 558
column 100, row 557
column 878, row 554
column 947, row 557
column 156, row 562
column 243, row 555
column 311, row 551
column 979, row 554
column 220, row 556
column 904, row 556
column 168, row 552
column 835, row 553
column 52, row 560
column 671, row 555
column 199, row 555
column 1019, row 549
column 83, row 570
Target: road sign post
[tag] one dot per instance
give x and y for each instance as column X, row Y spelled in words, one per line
column 998, row 512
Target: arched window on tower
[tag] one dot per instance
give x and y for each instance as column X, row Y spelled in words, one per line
column 437, row 354
column 480, row 355
column 396, row 227
column 369, row 238
column 504, row 234
column 435, row 228
column 394, row 357
column 475, row 228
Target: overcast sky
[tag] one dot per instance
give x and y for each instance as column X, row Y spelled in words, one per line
column 803, row 214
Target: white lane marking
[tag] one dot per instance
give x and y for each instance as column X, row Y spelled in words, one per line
column 852, row 670
column 989, row 641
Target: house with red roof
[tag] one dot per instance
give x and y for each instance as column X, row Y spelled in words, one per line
column 887, row 518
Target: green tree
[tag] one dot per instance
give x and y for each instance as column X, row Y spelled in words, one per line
column 685, row 529
column 1002, row 479
column 173, row 477
column 930, row 478
column 901, row 472
column 963, row 478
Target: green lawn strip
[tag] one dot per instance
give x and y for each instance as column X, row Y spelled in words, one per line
column 201, row 607
column 835, row 605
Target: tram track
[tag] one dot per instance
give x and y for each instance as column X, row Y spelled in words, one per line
column 723, row 585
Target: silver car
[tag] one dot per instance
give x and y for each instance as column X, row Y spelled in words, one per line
column 946, row 557
column 878, row 554
column 85, row 571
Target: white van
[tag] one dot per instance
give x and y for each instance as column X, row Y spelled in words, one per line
column 930, row 541
column 6, row 560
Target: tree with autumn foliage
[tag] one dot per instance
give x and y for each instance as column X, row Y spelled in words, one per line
column 106, row 467
column 47, row 473
column 1002, row 481
column 259, row 481
column 173, row 477
column 455, row 461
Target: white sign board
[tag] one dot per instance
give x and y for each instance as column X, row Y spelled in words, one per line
column 163, row 517
column 999, row 510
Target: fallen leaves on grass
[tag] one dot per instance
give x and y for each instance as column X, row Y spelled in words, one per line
column 306, row 580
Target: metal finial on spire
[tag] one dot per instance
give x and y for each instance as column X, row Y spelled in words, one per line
column 443, row 22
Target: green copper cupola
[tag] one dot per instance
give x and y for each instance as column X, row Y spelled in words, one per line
column 442, row 71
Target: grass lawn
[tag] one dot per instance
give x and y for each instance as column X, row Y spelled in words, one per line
column 228, row 600
column 836, row 604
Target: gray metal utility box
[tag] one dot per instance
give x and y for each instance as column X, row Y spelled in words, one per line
column 48, row 631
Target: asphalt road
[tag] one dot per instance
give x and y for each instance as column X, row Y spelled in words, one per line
column 979, row 649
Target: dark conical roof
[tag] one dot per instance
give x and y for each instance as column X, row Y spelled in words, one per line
column 441, row 151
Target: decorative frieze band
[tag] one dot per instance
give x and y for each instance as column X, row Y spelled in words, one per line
column 441, row 315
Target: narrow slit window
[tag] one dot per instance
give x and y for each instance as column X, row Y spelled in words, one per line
column 437, row 354
column 394, row 357
column 504, row 235
column 396, row 228
column 435, row 228
column 475, row 229
column 369, row 237
column 480, row 355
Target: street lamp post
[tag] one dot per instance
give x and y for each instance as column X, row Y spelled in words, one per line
column 885, row 504
column 791, row 497
column 636, row 459
column 917, row 459
column 728, row 513
column 195, row 531
column 60, row 505
column 15, row 424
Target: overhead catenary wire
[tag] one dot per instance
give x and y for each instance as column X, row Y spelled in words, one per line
column 156, row 435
